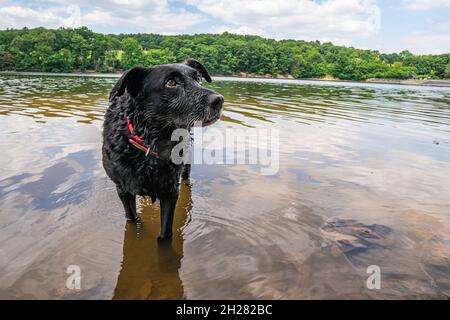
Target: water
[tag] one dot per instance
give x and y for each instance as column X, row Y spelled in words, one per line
column 364, row 179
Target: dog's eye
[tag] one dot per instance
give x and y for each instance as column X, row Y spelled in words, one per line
column 171, row 83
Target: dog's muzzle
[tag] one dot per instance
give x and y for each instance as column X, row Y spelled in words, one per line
column 215, row 104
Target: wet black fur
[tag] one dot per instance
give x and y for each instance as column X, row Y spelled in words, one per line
column 155, row 110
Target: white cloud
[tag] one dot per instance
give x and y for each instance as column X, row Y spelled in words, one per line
column 12, row 14
column 340, row 20
column 418, row 5
column 239, row 30
column 427, row 42
column 434, row 38
column 145, row 15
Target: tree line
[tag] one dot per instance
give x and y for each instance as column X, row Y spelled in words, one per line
column 80, row 49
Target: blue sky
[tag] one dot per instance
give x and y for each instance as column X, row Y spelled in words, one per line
column 421, row 26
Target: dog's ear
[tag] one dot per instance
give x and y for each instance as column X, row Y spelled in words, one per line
column 132, row 80
column 199, row 67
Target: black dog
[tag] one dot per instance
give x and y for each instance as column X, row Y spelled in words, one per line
column 146, row 105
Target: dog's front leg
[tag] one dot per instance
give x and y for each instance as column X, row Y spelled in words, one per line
column 129, row 204
column 167, row 212
column 186, row 171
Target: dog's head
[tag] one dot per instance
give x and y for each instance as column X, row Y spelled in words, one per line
column 171, row 94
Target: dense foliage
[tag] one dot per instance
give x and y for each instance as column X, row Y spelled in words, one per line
column 66, row 50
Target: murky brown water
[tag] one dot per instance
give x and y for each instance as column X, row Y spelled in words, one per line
column 364, row 180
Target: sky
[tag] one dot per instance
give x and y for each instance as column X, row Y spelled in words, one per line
column 420, row 26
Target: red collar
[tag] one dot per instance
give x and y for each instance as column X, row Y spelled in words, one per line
column 138, row 142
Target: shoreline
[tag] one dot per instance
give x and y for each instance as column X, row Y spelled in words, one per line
column 413, row 82
column 410, row 82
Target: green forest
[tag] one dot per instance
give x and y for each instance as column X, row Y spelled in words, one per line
column 81, row 50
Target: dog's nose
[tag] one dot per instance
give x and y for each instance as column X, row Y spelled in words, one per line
column 216, row 101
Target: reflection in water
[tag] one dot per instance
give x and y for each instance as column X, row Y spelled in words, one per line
column 150, row 266
column 363, row 180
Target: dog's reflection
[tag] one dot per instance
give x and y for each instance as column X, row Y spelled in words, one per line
column 150, row 266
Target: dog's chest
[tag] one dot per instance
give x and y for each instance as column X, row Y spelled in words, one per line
column 158, row 181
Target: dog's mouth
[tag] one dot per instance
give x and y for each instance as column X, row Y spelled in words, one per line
column 209, row 122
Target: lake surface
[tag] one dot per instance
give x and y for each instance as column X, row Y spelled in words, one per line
column 363, row 180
